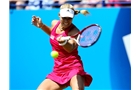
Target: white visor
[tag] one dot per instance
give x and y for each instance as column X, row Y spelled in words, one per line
column 66, row 12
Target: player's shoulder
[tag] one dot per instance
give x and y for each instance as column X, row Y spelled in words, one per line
column 54, row 22
column 73, row 30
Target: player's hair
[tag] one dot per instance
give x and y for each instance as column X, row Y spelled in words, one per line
column 67, row 5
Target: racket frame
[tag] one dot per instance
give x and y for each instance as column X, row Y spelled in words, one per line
column 95, row 40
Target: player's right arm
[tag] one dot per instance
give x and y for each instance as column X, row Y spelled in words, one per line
column 38, row 23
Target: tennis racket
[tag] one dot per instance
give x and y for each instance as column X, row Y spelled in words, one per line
column 86, row 37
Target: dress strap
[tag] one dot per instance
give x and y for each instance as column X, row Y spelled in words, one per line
column 55, row 27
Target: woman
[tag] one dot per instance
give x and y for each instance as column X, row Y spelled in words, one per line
column 68, row 69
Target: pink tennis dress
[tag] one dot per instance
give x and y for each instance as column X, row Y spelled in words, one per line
column 66, row 65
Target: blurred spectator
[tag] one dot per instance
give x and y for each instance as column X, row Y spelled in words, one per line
column 56, row 4
column 118, row 3
column 91, row 3
column 47, row 4
column 18, row 4
column 75, row 3
column 113, row 3
column 21, row 4
column 39, row 4
column 34, row 5
column 12, row 4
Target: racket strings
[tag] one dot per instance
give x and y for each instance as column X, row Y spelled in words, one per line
column 89, row 36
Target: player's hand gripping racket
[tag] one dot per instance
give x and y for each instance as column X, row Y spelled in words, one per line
column 87, row 37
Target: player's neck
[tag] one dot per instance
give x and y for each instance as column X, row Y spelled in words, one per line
column 61, row 28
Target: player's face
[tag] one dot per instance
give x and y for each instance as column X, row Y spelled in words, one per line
column 65, row 21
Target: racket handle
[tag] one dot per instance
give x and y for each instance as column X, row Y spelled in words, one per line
column 65, row 38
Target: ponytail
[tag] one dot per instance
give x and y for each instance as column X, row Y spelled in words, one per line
column 84, row 12
column 67, row 5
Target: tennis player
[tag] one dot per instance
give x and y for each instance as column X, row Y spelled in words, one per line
column 68, row 68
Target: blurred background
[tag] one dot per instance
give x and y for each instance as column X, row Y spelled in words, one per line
column 107, row 61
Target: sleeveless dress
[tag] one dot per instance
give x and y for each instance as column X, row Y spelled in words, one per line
column 66, row 65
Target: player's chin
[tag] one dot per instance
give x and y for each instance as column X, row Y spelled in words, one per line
column 66, row 25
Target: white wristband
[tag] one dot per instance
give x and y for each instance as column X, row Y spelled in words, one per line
column 64, row 43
